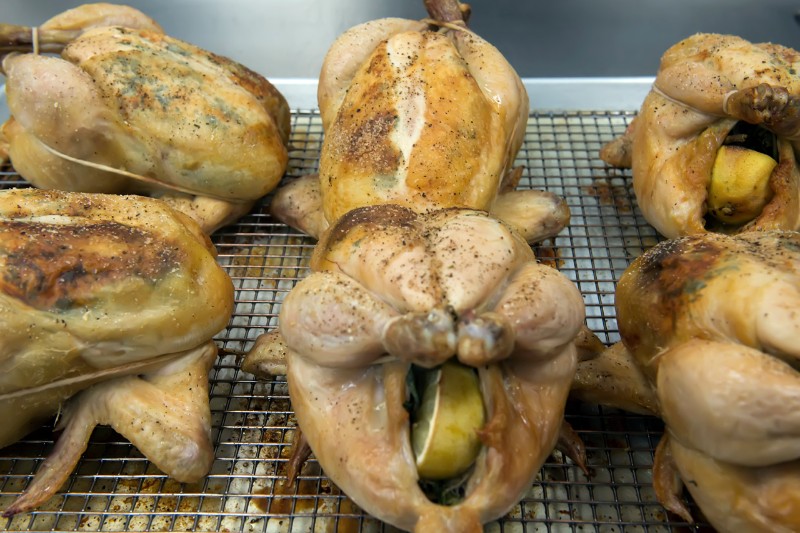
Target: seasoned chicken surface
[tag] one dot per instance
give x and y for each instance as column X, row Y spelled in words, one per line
column 422, row 123
column 711, row 324
column 423, row 263
column 129, row 109
column 713, row 91
column 95, row 291
column 423, row 114
column 425, row 289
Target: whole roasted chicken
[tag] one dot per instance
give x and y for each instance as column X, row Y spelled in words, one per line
column 127, row 109
column 108, row 305
column 714, row 146
column 423, row 114
column 423, row 281
column 709, row 329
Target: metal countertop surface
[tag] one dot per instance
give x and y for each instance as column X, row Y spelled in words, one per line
column 286, row 40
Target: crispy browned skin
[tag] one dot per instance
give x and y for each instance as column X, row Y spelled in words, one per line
column 455, row 151
column 104, row 281
column 37, row 271
column 674, row 288
column 114, row 299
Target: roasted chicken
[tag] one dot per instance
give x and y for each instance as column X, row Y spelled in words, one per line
column 127, row 109
column 423, row 268
column 392, row 289
column 714, row 146
column 709, row 329
column 108, row 306
column 423, row 116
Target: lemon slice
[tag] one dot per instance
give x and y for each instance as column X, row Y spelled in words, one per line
column 739, row 187
column 444, row 435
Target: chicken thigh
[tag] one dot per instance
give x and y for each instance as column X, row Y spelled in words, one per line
column 714, row 146
column 95, row 291
column 127, row 109
column 711, row 324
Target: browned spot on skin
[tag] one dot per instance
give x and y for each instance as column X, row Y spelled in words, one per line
column 54, row 266
column 361, row 135
column 368, row 140
column 386, row 215
column 673, row 268
column 671, row 275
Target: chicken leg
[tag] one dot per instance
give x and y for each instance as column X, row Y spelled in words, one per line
column 165, row 414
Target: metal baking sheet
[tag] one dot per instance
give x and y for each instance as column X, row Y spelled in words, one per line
column 114, row 488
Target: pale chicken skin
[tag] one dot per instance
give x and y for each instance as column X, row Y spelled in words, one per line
column 131, row 110
column 705, row 86
column 710, row 325
column 96, row 288
column 419, row 115
column 423, row 289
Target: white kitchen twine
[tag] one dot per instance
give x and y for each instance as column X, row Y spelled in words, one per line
column 725, row 102
column 448, row 25
column 138, row 177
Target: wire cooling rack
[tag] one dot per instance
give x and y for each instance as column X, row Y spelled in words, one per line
column 114, row 488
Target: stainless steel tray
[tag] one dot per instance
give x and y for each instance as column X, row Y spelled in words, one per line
column 115, row 488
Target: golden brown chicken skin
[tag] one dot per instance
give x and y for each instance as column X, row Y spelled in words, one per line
column 709, row 329
column 131, row 110
column 714, row 145
column 107, row 293
column 423, row 114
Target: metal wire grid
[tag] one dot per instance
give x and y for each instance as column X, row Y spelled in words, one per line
column 114, row 488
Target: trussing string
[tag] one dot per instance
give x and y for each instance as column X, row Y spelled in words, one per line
column 655, row 88
column 138, row 177
column 725, row 101
column 35, row 39
column 448, row 25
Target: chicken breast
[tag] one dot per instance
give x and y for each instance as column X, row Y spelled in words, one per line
column 710, row 324
column 129, row 109
column 96, row 287
column 713, row 91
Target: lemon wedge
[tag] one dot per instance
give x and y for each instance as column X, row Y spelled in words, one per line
column 444, row 434
column 739, row 187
